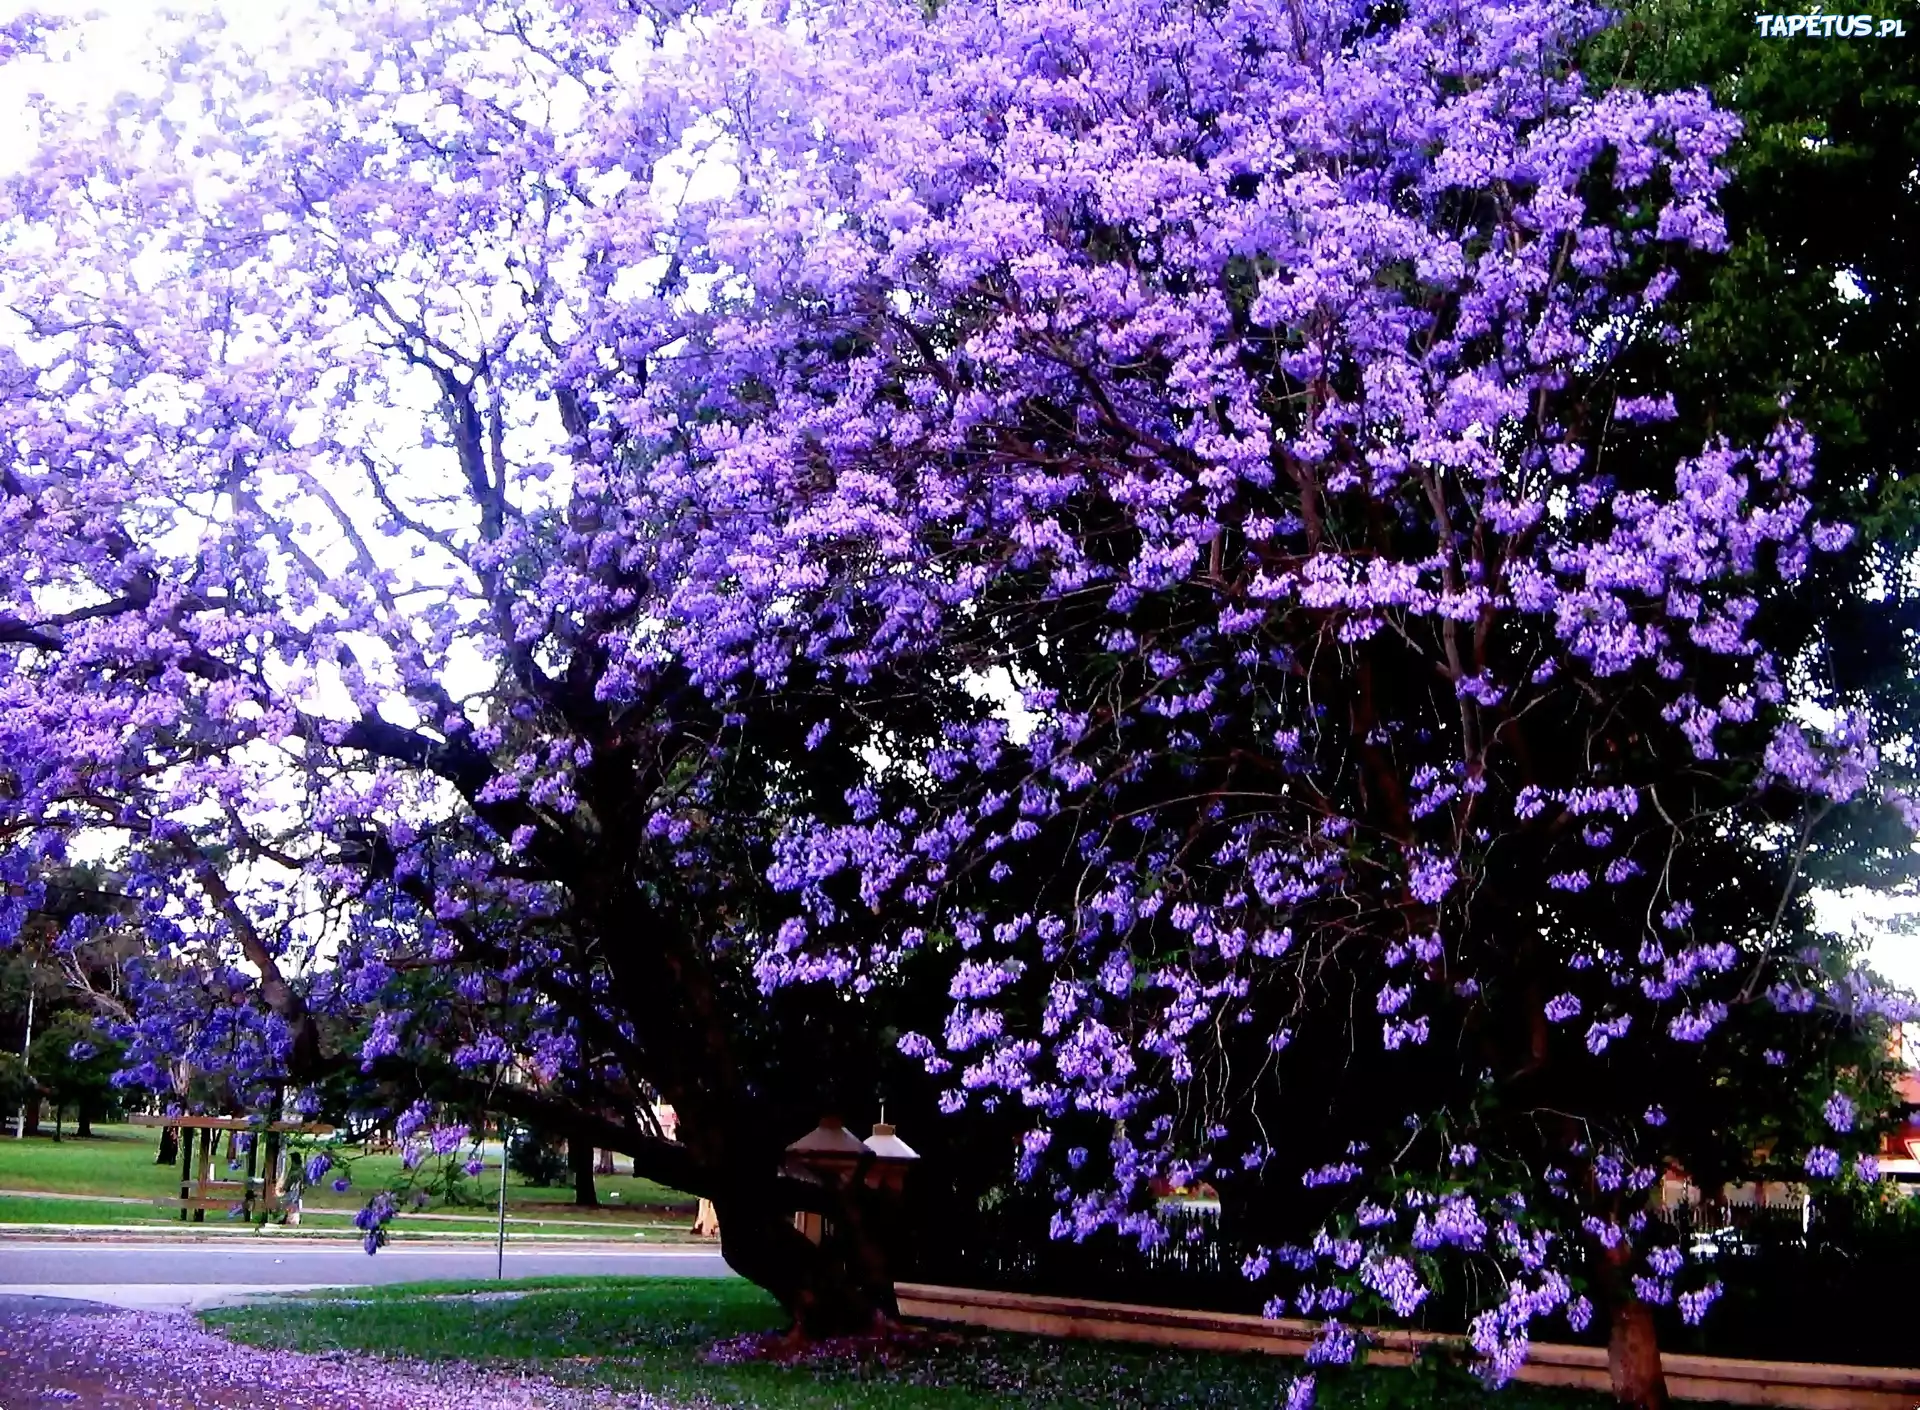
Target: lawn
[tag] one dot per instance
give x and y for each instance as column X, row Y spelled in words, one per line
column 119, row 1160
column 653, row 1334
column 14, row 1210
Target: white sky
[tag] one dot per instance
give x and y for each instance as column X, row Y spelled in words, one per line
column 115, row 43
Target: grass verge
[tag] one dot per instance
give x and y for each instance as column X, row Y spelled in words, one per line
column 119, row 1160
column 653, row 1334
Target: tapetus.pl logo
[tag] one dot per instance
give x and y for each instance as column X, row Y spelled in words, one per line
column 1816, row 25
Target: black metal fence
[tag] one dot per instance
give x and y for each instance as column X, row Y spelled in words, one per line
column 1836, row 1282
column 1007, row 1248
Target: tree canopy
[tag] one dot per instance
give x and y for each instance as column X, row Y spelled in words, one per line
column 606, row 548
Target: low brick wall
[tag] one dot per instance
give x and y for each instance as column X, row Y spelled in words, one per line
column 1799, row 1385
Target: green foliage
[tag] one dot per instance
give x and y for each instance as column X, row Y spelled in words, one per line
column 17, row 1086
column 537, row 1158
column 1817, row 300
column 74, row 1063
column 653, row 1334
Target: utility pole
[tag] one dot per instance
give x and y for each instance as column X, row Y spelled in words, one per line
column 500, row 1246
column 26, row 1059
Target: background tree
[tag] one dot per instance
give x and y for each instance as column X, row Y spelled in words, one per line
column 18, row 1090
column 1813, row 303
column 74, row 1063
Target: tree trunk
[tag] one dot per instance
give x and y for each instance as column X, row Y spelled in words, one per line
column 59, row 1111
column 83, row 1120
column 580, row 1157
column 1633, row 1349
column 840, row 1286
column 1633, row 1357
column 603, row 1164
column 169, row 1146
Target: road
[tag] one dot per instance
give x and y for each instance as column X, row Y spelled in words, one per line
column 197, row 1274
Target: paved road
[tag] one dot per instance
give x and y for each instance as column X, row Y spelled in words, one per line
column 194, row 1274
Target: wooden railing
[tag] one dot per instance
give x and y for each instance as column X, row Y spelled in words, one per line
column 1799, row 1385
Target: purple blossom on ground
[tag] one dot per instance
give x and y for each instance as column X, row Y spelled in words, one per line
column 167, row 1361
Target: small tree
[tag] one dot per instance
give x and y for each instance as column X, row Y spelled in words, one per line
column 536, row 1158
column 75, row 1062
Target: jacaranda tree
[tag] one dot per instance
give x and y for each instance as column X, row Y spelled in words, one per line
column 596, row 540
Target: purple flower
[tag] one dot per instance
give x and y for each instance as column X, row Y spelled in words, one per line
column 1665, row 1260
column 1823, row 1163
column 1335, row 1346
column 1839, row 1112
column 1562, row 1007
column 1696, row 1024
column 1694, row 1305
column 1394, row 1279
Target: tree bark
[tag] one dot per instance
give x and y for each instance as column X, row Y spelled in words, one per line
column 1633, row 1348
column 838, row 1287
column 603, row 1162
column 580, row 1157
column 1633, row 1357
column 838, row 1282
column 169, row 1146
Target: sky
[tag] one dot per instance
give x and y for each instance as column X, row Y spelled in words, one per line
column 115, row 40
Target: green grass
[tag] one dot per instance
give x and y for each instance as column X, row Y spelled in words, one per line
column 34, row 1209
column 652, row 1334
column 119, row 1160
column 15, row 1210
